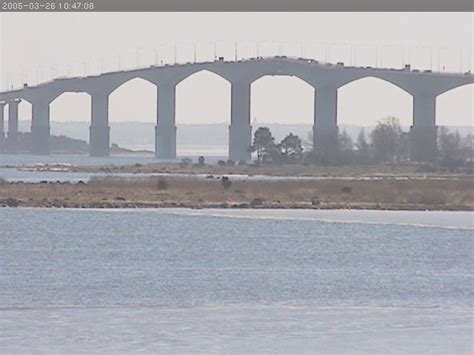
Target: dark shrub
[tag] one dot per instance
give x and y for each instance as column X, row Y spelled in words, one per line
column 185, row 162
column 12, row 202
column 226, row 182
column 347, row 189
column 162, row 184
column 256, row 202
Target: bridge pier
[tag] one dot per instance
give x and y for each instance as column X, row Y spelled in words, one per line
column 2, row 126
column 325, row 123
column 40, row 129
column 240, row 130
column 165, row 141
column 99, row 134
column 165, row 130
column 12, row 136
column 423, row 133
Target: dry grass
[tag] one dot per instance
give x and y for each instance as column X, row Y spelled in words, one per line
column 193, row 192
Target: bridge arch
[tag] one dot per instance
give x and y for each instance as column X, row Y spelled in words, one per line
column 203, row 99
column 134, row 100
column 285, row 102
column 25, row 114
column 283, row 69
column 110, row 85
column 60, row 112
column 60, row 107
column 455, row 107
column 188, row 72
column 365, row 101
column 398, row 82
column 15, row 125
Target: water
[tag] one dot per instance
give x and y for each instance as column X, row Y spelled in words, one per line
column 220, row 281
column 76, row 160
column 212, row 156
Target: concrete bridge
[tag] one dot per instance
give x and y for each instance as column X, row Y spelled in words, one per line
column 324, row 77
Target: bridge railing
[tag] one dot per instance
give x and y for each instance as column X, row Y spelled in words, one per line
column 422, row 58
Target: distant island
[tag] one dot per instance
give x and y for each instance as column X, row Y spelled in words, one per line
column 66, row 145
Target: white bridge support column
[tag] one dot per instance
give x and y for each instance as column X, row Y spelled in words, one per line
column 165, row 130
column 240, row 130
column 40, row 128
column 12, row 136
column 99, row 138
column 2, row 126
column 423, row 133
column 325, row 122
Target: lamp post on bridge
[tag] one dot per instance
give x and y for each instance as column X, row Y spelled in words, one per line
column 439, row 57
column 120, row 60
column 431, row 54
column 53, row 71
column 469, row 61
column 84, row 63
column 383, row 47
column 138, row 56
column 280, row 48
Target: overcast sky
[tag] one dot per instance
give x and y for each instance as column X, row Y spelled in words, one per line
column 36, row 46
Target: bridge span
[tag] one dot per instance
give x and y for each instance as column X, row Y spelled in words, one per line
column 324, row 77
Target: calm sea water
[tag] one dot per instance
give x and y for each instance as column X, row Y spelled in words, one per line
column 212, row 156
column 220, row 281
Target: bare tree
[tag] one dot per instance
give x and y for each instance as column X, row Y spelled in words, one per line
column 388, row 141
column 363, row 148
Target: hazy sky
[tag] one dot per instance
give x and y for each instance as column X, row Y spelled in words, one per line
column 36, row 46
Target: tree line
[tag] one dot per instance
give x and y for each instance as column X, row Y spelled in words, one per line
column 387, row 143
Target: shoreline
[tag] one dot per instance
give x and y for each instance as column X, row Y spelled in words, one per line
column 290, row 170
column 237, row 207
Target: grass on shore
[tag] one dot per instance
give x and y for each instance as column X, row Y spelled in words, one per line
column 451, row 194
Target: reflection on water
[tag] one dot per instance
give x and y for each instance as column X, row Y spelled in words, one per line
column 441, row 219
column 219, row 281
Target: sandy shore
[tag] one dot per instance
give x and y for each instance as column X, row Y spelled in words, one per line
column 192, row 192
